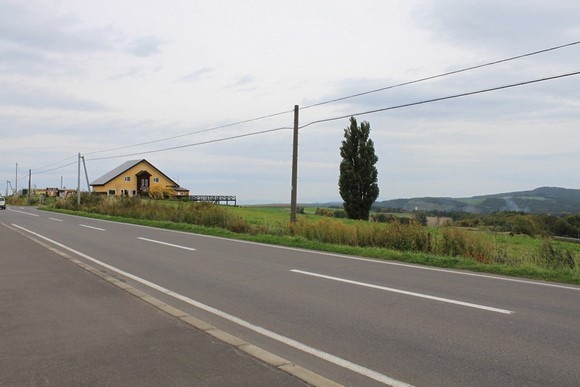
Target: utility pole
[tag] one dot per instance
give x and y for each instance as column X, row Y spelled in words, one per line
column 16, row 182
column 79, row 182
column 29, row 185
column 293, row 199
column 87, row 174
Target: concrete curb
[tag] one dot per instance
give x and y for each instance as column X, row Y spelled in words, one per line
column 252, row 350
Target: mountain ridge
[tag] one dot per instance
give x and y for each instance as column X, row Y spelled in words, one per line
column 542, row 200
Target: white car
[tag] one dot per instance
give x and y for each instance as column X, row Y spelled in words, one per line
column 2, row 203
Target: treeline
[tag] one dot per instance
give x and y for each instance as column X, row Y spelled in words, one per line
column 517, row 222
column 522, row 223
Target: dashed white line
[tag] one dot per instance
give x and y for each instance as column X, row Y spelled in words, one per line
column 393, row 290
column 23, row 212
column 56, row 220
column 93, row 228
column 166, row 244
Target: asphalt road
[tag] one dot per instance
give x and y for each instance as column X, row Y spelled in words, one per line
column 63, row 325
column 354, row 321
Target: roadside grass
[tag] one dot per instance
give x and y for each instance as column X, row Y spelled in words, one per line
column 479, row 251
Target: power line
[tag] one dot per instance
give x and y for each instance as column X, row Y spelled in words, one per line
column 193, row 144
column 441, row 98
column 192, row 133
column 441, row 75
column 344, row 116
column 56, row 168
column 341, row 98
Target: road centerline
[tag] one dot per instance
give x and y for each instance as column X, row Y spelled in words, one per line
column 166, row 244
column 23, row 212
column 92, row 227
column 408, row 293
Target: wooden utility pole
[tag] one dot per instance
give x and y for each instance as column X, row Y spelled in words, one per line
column 79, row 182
column 29, row 186
column 86, row 174
column 294, row 168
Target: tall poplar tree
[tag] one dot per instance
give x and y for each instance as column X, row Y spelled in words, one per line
column 358, row 174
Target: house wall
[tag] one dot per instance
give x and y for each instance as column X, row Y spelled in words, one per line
column 121, row 186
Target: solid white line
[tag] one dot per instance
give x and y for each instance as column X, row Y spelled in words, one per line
column 55, row 219
column 23, row 212
column 166, row 244
column 393, row 290
column 283, row 339
column 91, row 227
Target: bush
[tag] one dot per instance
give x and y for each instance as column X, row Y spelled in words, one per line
column 201, row 214
column 407, row 237
column 324, row 212
column 463, row 243
column 553, row 257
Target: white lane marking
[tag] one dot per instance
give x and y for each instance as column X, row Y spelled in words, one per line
column 91, row 227
column 57, row 220
column 22, row 212
column 263, row 331
column 341, row 256
column 393, row 290
column 166, row 244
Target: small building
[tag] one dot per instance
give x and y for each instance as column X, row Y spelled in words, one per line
column 137, row 177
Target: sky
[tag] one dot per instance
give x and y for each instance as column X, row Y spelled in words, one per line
column 165, row 80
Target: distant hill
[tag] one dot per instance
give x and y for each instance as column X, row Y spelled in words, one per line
column 544, row 200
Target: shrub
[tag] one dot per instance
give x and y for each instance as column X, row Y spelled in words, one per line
column 463, row 243
column 324, row 212
column 408, row 237
column 201, row 214
column 553, row 257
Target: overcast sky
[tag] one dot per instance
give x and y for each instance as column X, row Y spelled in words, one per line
column 102, row 77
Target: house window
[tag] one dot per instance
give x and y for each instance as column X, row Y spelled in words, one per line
column 127, row 178
column 133, row 193
column 111, row 192
column 156, row 180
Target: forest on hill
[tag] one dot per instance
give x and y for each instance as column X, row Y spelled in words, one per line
column 544, row 200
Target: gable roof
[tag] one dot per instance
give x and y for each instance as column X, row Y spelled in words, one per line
column 107, row 177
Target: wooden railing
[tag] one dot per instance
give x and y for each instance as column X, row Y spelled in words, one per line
column 217, row 199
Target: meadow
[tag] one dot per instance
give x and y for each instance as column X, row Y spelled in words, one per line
column 475, row 249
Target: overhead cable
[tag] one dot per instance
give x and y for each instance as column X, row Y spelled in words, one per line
column 193, row 144
column 54, row 169
column 191, row 133
column 440, row 99
column 441, row 75
column 342, row 98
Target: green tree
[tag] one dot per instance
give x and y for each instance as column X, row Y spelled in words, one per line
column 358, row 175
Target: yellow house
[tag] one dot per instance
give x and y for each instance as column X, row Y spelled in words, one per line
column 136, row 177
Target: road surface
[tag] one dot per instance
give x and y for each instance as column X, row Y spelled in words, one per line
column 351, row 320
